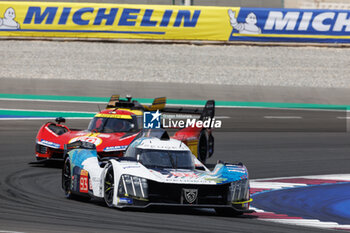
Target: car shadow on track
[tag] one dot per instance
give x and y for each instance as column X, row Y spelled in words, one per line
column 47, row 164
column 177, row 211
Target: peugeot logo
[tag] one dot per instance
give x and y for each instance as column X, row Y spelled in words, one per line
column 190, row 195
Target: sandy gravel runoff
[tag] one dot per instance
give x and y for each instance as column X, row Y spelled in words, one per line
column 226, row 65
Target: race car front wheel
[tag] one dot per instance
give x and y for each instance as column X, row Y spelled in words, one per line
column 67, row 179
column 109, row 186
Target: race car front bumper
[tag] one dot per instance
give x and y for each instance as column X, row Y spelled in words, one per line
column 139, row 205
column 152, row 193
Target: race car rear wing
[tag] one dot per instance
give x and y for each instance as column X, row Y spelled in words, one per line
column 112, row 101
column 207, row 112
column 159, row 104
column 116, row 102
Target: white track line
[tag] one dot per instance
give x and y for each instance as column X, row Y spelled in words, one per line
column 274, row 185
column 222, row 117
column 56, row 101
column 342, row 118
column 10, row 232
column 345, row 177
column 310, row 222
column 283, row 117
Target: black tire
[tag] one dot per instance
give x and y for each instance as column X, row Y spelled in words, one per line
column 203, row 147
column 210, row 145
column 227, row 212
column 67, row 179
column 109, row 186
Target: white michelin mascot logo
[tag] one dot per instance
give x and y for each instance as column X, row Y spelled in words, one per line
column 8, row 21
column 249, row 27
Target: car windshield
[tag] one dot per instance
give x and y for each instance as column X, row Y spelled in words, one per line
column 112, row 125
column 166, row 159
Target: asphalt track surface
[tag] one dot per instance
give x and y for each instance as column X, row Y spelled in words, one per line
column 31, row 199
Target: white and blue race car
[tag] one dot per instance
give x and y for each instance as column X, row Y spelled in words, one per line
column 155, row 170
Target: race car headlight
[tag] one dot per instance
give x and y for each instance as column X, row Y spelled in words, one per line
column 239, row 191
column 133, row 186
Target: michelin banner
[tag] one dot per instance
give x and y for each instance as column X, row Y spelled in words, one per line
column 123, row 21
column 290, row 25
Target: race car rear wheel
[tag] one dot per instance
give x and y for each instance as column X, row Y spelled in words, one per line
column 109, row 186
column 67, row 179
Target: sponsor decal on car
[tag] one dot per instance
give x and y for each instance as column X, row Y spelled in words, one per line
column 114, row 148
column 189, row 181
column 95, row 140
column 182, row 175
column 104, row 135
column 49, row 144
column 131, row 166
column 124, row 200
column 84, row 181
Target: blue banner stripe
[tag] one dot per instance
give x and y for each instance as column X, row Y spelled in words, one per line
column 290, row 25
column 288, row 39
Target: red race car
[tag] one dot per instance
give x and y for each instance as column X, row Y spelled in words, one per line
column 114, row 128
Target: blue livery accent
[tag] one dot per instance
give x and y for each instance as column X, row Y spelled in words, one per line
column 225, row 174
column 114, row 148
column 78, row 156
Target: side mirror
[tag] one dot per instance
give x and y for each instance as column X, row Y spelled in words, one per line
column 60, row 120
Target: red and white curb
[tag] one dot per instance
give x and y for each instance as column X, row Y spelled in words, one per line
column 260, row 185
